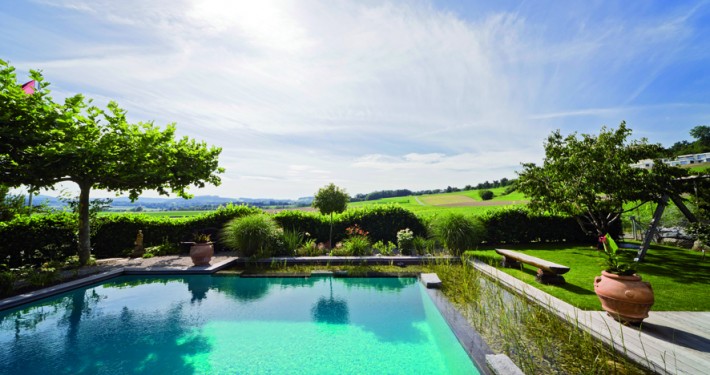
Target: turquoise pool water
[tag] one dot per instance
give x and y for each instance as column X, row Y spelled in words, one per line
column 230, row 325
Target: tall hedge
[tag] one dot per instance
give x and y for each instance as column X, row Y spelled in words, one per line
column 383, row 222
column 117, row 233
column 316, row 225
column 33, row 240
column 41, row 238
column 518, row 225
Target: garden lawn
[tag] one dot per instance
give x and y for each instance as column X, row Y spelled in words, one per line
column 679, row 277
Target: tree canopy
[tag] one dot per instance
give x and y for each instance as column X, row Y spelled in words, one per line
column 591, row 177
column 329, row 200
column 701, row 133
column 45, row 142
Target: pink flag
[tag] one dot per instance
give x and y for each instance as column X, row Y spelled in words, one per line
column 29, row 87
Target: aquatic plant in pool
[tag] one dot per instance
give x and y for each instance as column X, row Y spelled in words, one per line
column 206, row 324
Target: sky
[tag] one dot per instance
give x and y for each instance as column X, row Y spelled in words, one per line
column 373, row 95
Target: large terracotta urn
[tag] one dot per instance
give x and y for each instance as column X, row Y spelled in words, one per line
column 201, row 253
column 625, row 298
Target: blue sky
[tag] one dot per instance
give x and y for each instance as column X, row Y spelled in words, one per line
column 373, row 95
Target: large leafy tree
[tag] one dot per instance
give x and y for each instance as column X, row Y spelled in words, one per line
column 330, row 200
column 591, row 177
column 44, row 142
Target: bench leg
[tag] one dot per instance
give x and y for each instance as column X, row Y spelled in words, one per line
column 510, row 263
column 549, row 278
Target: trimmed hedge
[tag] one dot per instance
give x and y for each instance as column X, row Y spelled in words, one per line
column 316, row 225
column 382, row 223
column 116, row 233
column 519, row 225
column 33, row 240
column 41, row 238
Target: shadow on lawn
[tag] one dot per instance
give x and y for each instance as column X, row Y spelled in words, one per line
column 682, row 266
column 566, row 286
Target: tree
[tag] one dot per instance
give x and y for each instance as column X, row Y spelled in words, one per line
column 329, row 200
column 591, row 177
column 10, row 204
column 44, row 142
column 702, row 135
column 486, row 195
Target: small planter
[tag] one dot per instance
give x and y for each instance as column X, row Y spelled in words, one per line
column 201, row 253
column 627, row 299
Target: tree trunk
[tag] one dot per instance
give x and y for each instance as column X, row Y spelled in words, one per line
column 330, row 237
column 84, row 250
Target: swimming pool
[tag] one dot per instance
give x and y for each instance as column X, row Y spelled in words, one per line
column 232, row 325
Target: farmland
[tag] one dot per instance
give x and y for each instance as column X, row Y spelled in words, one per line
column 430, row 205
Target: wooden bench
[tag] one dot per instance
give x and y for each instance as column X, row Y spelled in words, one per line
column 547, row 272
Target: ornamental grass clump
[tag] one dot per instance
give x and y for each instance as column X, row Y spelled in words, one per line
column 459, row 233
column 252, row 236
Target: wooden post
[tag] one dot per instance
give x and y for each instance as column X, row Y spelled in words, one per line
column 652, row 229
column 681, row 206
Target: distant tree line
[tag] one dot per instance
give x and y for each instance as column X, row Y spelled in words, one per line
column 701, row 133
column 503, row 182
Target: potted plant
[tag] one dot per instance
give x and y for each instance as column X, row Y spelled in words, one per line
column 622, row 293
column 202, row 249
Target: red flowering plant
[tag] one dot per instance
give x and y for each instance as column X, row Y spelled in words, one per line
column 357, row 243
column 613, row 263
column 355, row 230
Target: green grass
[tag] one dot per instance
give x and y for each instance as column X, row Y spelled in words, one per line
column 679, row 277
column 430, row 207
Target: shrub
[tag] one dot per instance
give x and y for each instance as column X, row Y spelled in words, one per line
column 166, row 248
column 384, row 248
column 34, row 240
column 424, row 246
column 486, row 195
column 253, row 235
column 7, row 280
column 459, row 233
column 47, row 274
column 292, row 240
column 405, row 241
column 356, row 246
column 72, row 262
column 309, row 249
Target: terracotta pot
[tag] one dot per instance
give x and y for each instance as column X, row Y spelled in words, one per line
column 201, row 253
column 625, row 298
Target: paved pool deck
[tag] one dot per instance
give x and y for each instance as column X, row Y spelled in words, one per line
column 667, row 342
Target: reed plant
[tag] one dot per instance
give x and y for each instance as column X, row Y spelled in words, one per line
column 537, row 340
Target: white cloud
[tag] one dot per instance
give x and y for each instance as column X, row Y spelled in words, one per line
column 370, row 95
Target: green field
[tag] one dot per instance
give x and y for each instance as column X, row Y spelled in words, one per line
column 462, row 202
column 427, row 206
column 171, row 214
